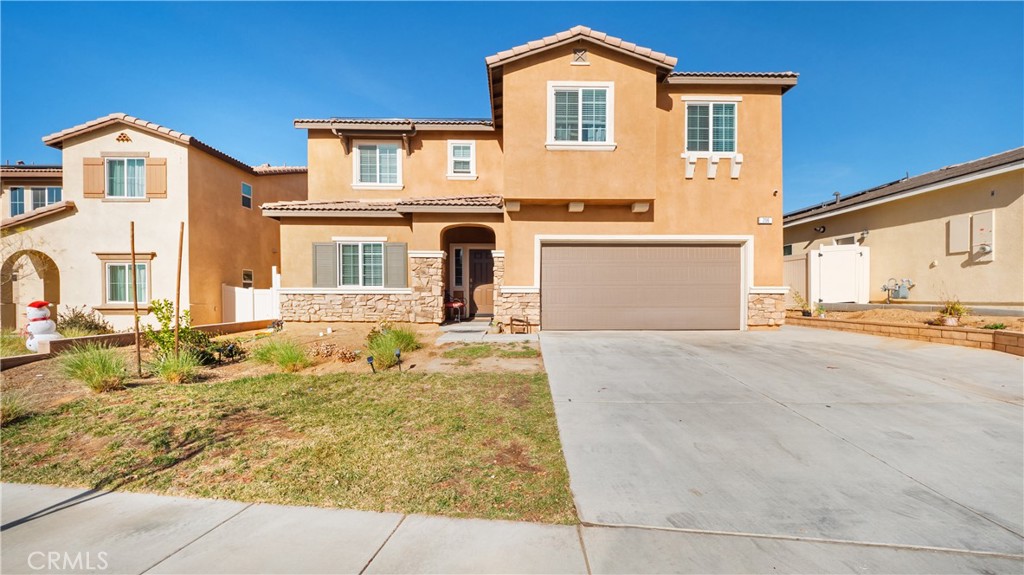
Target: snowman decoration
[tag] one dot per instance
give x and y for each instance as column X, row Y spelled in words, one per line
column 40, row 327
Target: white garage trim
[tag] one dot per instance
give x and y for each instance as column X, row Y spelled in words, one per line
column 746, row 243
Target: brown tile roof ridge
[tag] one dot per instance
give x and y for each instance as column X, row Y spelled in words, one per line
column 786, row 74
column 378, row 205
column 453, row 201
column 659, row 58
column 912, row 183
column 37, row 214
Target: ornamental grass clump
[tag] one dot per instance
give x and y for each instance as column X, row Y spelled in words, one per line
column 98, row 367
column 182, row 369
column 383, row 343
column 12, row 407
column 285, row 354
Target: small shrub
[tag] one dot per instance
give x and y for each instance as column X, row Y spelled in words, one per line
column 228, row 350
column 181, row 369
column 953, row 308
column 82, row 323
column 188, row 338
column 98, row 367
column 798, row 298
column 12, row 344
column 383, row 344
column 994, row 326
column 287, row 355
column 12, row 407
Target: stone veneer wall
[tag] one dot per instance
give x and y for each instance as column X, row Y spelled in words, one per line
column 766, row 310
column 424, row 305
column 509, row 305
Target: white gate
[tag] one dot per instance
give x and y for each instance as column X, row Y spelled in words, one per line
column 839, row 274
column 248, row 304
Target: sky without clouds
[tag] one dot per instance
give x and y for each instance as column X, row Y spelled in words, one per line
column 885, row 88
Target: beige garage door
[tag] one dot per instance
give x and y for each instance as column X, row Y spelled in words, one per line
column 640, row 286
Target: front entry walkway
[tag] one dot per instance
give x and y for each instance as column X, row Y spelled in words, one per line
column 54, row 530
column 798, row 433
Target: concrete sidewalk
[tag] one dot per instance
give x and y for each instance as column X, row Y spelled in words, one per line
column 57, row 530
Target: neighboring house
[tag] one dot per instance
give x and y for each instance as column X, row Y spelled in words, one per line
column 606, row 191
column 956, row 232
column 66, row 235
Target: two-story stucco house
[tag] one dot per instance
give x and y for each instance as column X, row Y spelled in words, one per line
column 66, row 231
column 606, row 191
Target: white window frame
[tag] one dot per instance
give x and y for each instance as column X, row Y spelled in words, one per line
column 362, row 245
column 106, row 179
column 609, row 144
column 28, row 198
column 452, row 175
column 356, row 184
column 709, row 102
column 250, row 196
column 252, row 278
column 128, row 264
column 24, row 208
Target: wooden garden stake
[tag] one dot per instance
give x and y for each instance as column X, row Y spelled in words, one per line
column 135, row 305
column 177, row 288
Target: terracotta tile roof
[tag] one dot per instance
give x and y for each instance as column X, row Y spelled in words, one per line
column 30, row 169
column 395, row 207
column 393, row 123
column 907, row 185
column 734, row 74
column 268, row 170
column 37, row 214
column 577, row 32
column 56, row 139
column 494, row 201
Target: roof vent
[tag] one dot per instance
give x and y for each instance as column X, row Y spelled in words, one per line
column 836, row 194
column 579, row 57
column 20, row 163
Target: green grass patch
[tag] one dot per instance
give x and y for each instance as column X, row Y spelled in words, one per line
column 12, row 344
column 469, row 352
column 476, row 351
column 382, row 345
column 98, row 367
column 285, row 354
column 467, row 445
column 994, row 326
column 182, row 369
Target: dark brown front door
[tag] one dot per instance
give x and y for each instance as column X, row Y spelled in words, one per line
column 481, row 282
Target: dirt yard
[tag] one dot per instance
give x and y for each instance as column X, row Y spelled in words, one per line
column 911, row 317
column 44, row 388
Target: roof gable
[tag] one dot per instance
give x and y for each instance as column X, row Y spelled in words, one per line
column 581, row 33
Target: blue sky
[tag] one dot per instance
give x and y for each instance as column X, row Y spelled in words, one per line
column 885, row 88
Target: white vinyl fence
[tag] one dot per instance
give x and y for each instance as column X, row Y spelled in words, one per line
column 249, row 304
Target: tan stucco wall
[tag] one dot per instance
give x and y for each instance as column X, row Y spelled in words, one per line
column 906, row 236
column 649, row 122
column 224, row 237
column 424, row 172
column 100, row 225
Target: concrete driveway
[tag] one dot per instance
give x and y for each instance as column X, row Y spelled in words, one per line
column 797, row 433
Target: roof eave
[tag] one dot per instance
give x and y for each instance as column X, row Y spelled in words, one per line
column 390, row 128
column 786, row 83
column 497, row 62
column 451, row 209
column 277, row 214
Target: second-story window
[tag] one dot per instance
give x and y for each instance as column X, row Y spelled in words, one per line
column 711, row 127
column 377, row 165
column 36, row 198
column 246, row 195
column 461, row 160
column 126, row 177
column 581, row 115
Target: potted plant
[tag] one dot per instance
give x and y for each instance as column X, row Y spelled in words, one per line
column 952, row 311
column 819, row 310
column 805, row 308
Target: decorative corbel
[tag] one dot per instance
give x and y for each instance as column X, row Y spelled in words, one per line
column 691, row 163
column 713, row 166
column 736, row 164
